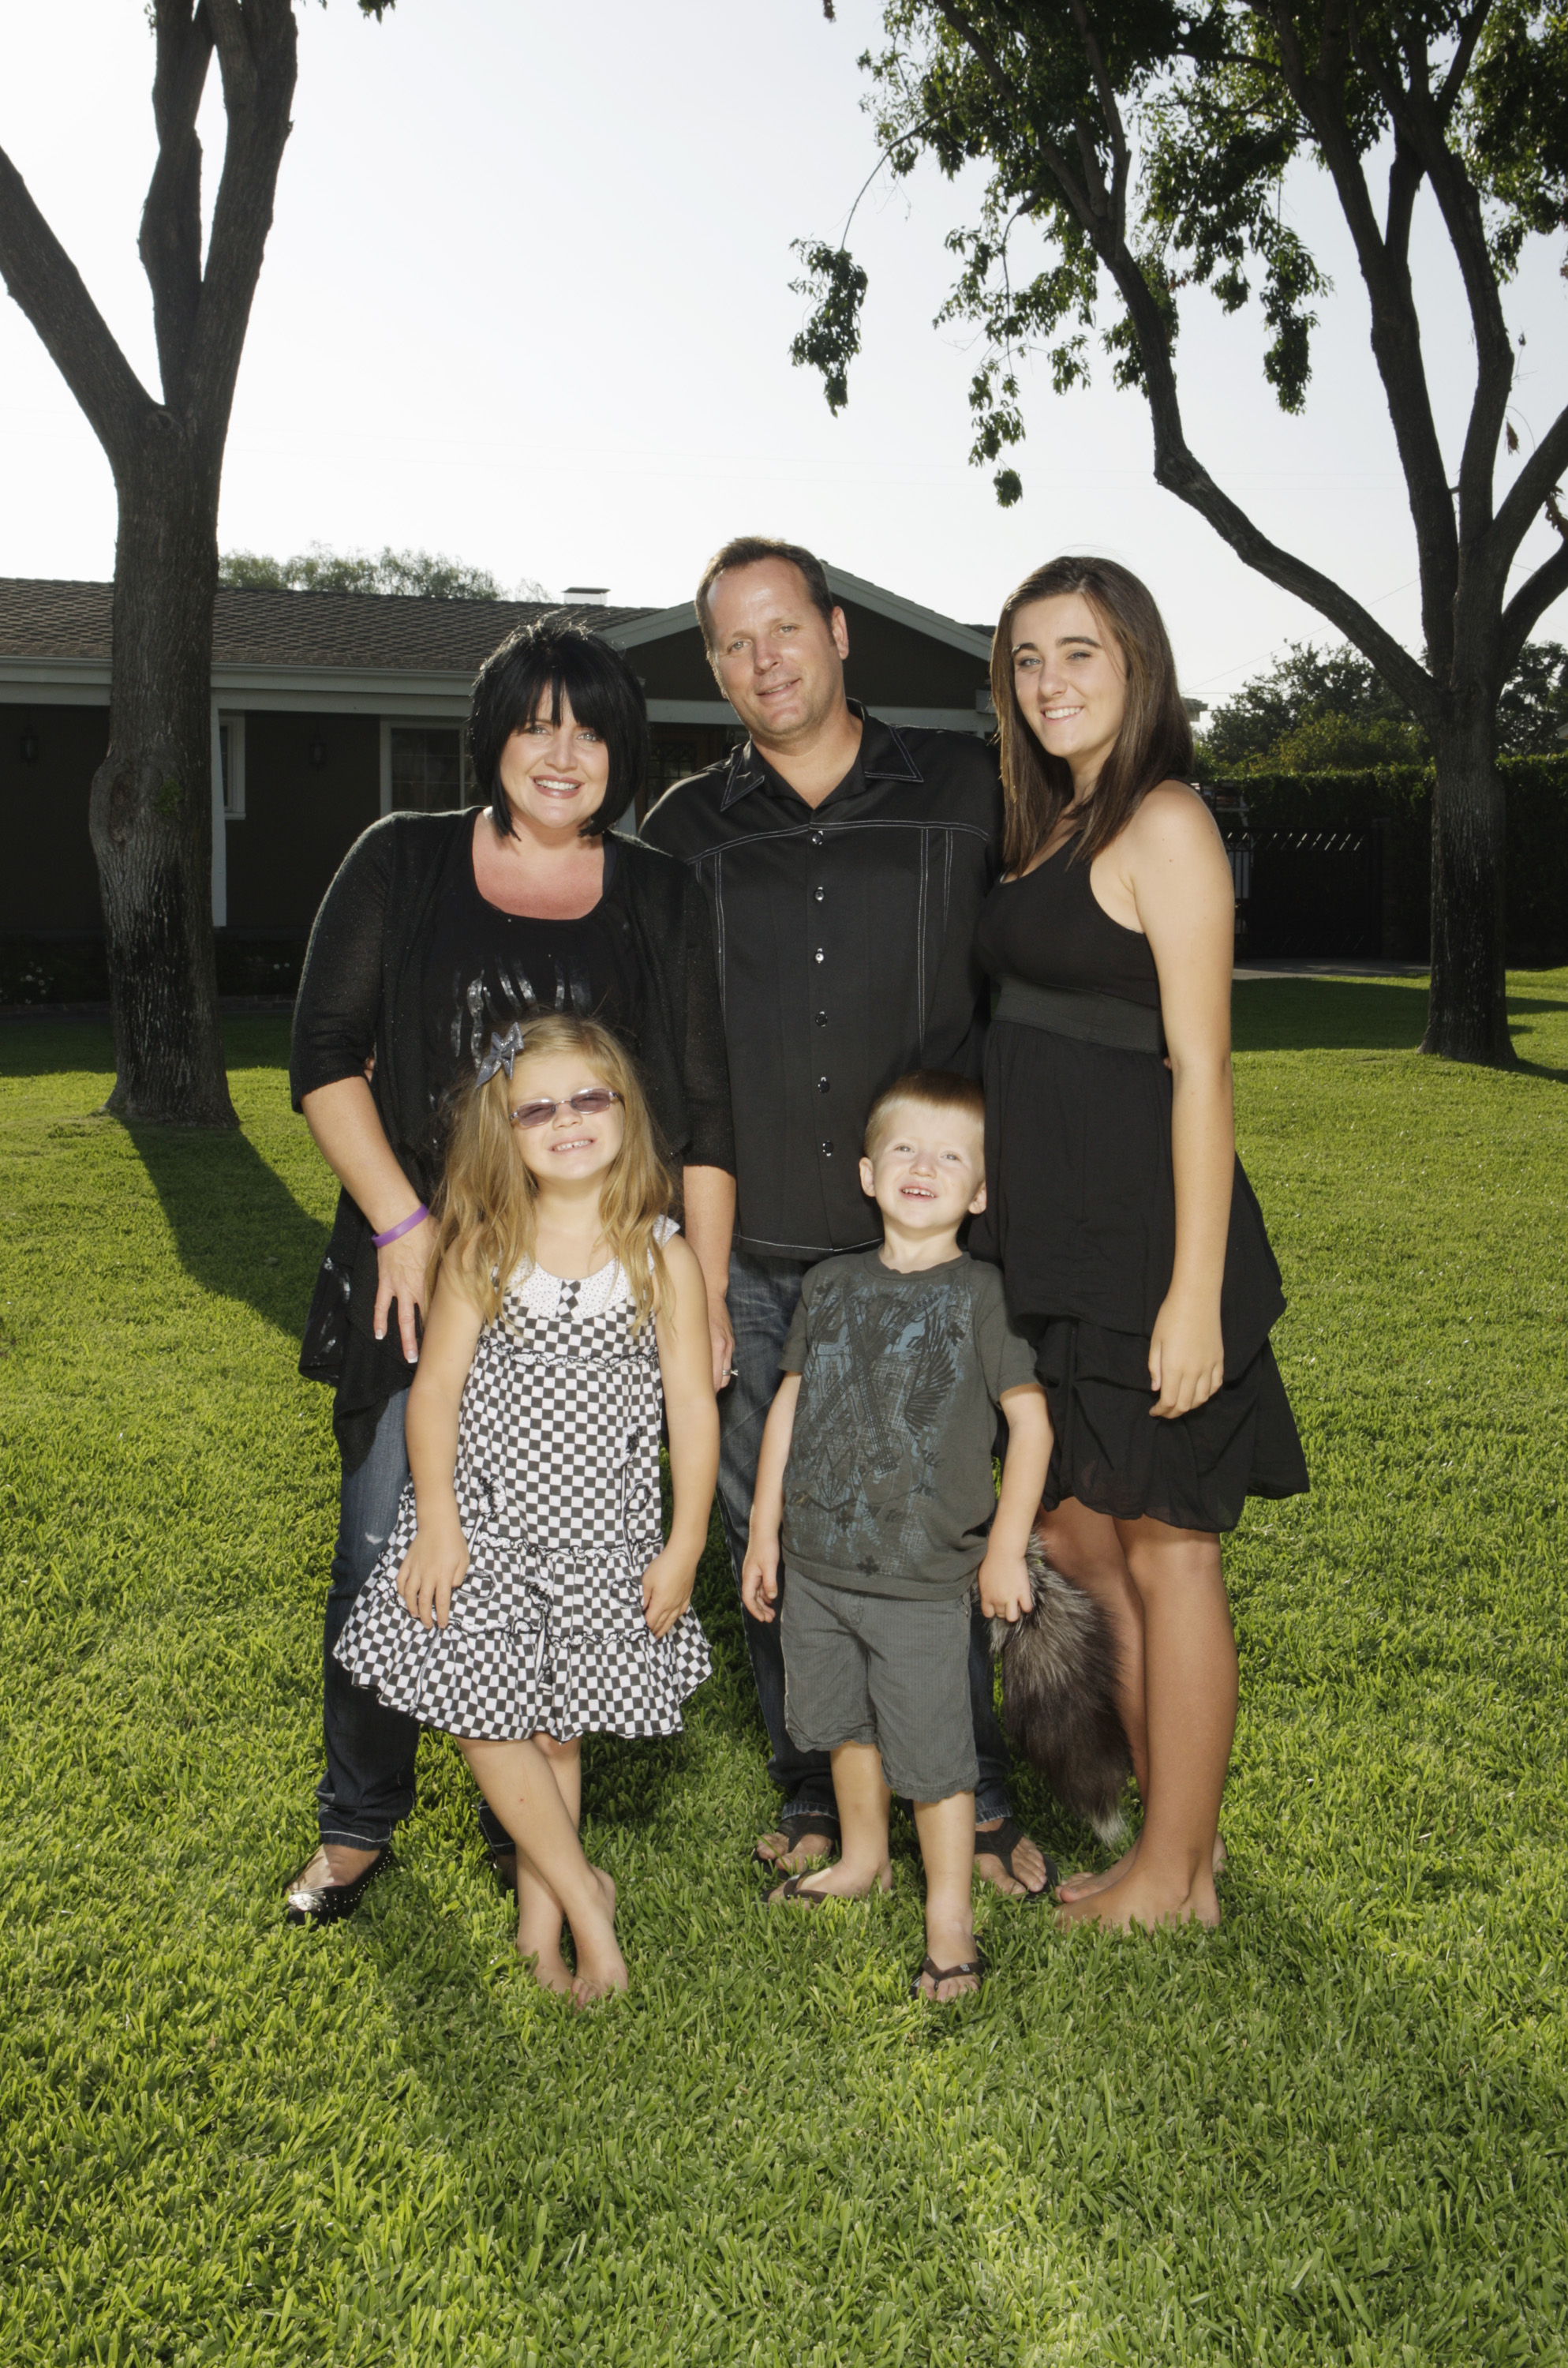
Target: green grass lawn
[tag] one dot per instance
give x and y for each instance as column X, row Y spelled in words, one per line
column 1334, row 2132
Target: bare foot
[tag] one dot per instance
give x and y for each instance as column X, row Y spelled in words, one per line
column 539, row 1945
column 1142, row 1898
column 1084, row 1886
column 839, row 1882
column 776, row 1850
column 1029, row 1861
column 601, row 1968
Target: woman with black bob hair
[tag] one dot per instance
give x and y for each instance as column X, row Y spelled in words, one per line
column 439, row 937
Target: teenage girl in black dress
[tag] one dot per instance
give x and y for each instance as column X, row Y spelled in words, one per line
column 1131, row 1242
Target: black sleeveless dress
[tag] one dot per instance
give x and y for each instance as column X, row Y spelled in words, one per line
column 1081, row 1218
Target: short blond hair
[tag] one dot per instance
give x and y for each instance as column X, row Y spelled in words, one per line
column 933, row 1089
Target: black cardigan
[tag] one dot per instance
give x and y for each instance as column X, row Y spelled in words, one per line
column 360, row 993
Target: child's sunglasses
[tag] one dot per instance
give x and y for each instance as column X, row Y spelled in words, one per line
column 589, row 1103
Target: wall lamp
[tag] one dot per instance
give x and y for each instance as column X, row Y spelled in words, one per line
column 318, row 751
column 28, row 747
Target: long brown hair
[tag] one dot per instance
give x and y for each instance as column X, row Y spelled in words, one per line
column 1153, row 745
column 485, row 1207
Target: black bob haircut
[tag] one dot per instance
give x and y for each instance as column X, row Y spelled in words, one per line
column 535, row 667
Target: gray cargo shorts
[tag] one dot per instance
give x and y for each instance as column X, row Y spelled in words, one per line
column 885, row 1670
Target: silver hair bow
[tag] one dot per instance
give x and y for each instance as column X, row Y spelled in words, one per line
column 503, row 1050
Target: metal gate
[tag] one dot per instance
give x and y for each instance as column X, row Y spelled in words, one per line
column 1318, row 893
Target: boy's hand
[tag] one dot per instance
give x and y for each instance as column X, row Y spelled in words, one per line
column 435, row 1563
column 666, row 1590
column 759, row 1577
column 1005, row 1592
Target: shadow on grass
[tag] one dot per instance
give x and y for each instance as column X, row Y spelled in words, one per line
column 1331, row 1015
column 238, row 1230
column 49, row 1048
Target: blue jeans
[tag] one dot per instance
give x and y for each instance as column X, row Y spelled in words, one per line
column 764, row 1293
column 366, row 1789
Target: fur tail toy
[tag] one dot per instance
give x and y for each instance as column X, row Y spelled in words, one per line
column 1058, row 1697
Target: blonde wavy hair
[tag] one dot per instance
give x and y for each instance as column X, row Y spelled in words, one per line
column 485, row 1208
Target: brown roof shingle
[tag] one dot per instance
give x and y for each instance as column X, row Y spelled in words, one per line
column 43, row 618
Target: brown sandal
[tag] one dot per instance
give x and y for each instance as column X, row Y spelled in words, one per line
column 929, row 1970
column 790, row 1889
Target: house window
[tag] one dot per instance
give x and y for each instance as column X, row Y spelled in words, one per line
column 231, row 757
column 430, row 771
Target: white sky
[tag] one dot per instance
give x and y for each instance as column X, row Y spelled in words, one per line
column 527, row 301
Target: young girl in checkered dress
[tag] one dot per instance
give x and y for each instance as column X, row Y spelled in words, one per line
column 527, row 1596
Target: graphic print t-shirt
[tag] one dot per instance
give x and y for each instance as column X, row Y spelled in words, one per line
column 888, row 1489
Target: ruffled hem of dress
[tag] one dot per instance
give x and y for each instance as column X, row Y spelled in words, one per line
column 1195, row 1472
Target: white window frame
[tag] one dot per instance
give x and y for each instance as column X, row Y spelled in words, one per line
column 235, row 767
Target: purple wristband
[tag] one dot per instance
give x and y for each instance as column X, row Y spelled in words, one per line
column 396, row 1233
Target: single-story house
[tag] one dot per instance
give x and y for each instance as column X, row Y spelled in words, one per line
column 329, row 709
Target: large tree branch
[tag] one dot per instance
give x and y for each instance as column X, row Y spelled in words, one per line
column 44, row 281
column 1320, row 94
column 1421, row 120
column 258, row 58
column 1530, row 603
column 1527, row 496
column 170, row 243
column 1178, row 468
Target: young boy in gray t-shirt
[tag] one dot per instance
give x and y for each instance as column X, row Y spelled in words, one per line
column 875, row 1476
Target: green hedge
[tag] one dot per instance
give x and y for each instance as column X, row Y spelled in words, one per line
column 1401, row 797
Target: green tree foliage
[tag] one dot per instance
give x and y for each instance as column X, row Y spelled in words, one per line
column 1137, row 152
column 1320, row 710
column 422, row 575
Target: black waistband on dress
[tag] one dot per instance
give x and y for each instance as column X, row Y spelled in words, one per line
column 1094, row 1019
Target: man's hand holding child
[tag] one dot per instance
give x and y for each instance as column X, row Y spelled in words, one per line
column 435, row 1563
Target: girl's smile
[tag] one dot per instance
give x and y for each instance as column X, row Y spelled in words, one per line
column 1070, row 683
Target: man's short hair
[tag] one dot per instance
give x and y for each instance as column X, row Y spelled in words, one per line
column 750, row 550
column 933, row 1089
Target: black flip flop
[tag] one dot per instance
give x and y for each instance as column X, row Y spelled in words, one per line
column 929, row 1970
column 795, row 1828
column 790, row 1889
column 1002, row 1844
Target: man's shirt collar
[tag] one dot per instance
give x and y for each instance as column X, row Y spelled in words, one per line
column 883, row 757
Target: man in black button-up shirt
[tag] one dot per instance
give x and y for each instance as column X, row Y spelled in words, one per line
column 845, row 862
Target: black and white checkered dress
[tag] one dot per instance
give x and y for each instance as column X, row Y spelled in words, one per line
column 558, row 1490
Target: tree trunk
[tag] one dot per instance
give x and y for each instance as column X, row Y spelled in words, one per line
column 1467, row 1015
column 150, row 813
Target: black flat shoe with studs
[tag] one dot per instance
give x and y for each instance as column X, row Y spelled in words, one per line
column 329, row 1903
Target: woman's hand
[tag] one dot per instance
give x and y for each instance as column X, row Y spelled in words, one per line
column 1187, row 1356
column 400, row 1275
column 666, row 1589
column 759, row 1576
column 435, row 1563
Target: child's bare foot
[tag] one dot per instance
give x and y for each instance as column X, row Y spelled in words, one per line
column 539, row 1945
column 1144, row 1897
column 843, row 1880
column 601, row 1968
column 1084, row 1886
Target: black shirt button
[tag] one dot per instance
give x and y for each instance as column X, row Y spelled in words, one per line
column 827, row 1151
column 819, row 893
column 819, row 839
column 822, row 1019
column 819, row 955
column 822, row 1084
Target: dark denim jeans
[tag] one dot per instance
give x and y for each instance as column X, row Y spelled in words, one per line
column 764, row 1293
column 368, row 1787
